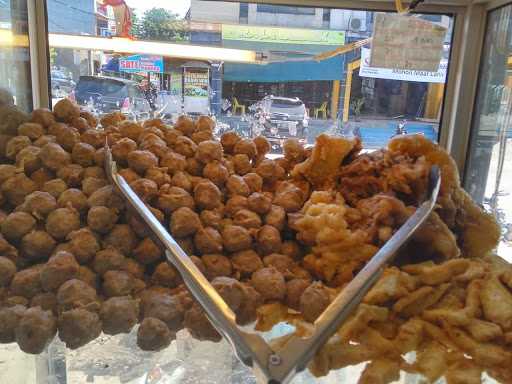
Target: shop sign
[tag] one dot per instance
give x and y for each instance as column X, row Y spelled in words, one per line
column 196, row 90
column 407, row 43
column 141, row 63
column 282, row 35
column 366, row 70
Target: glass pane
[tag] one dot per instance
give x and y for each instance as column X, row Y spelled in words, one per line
column 334, row 95
column 15, row 80
column 489, row 167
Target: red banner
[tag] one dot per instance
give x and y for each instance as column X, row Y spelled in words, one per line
column 123, row 16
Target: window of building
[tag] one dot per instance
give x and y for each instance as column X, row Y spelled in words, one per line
column 244, row 10
column 326, row 15
column 285, row 9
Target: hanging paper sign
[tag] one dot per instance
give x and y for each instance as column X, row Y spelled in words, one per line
column 365, row 70
column 196, row 88
column 405, row 42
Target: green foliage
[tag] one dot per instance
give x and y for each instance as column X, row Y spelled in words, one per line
column 160, row 25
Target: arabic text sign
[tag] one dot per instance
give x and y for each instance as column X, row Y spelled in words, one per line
column 142, row 63
column 365, row 70
column 282, row 35
column 405, row 42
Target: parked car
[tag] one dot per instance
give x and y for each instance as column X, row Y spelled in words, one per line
column 108, row 94
column 62, row 84
column 278, row 118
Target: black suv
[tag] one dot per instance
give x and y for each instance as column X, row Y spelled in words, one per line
column 108, row 94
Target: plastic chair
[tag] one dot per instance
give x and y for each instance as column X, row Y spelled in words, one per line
column 237, row 106
column 321, row 110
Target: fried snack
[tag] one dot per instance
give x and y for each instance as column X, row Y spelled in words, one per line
column 119, row 315
column 62, row 221
column 199, row 326
column 17, row 225
column 154, row 335
column 163, row 307
column 35, row 330
column 78, row 327
column 313, row 301
column 75, row 293
column 9, row 319
column 60, row 268
column 270, row 283
column 39, row 204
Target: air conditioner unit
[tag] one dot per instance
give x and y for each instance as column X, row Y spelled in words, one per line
column 357, row 24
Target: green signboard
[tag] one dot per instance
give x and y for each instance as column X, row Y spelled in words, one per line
column 282, row 35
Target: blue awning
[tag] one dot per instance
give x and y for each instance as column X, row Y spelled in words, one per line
column 331, row 69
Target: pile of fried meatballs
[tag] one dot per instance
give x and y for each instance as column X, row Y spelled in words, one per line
column 288, row 232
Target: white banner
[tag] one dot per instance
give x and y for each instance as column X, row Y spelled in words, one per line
column 401, row 74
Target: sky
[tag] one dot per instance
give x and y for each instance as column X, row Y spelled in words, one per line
column 177, row 6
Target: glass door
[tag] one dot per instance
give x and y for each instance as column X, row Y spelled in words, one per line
column 488, row 175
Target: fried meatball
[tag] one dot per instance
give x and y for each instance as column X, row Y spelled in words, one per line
column 31, row 130
column 9, row 319
column 117, row 283
column 61, row 222
column 17, row 225
column 269, row 170
column 39, row 204
column 211, row 218
column 268, row 239
column 87, row 276
column 26, row 283
column 144, row 188
column 242, row 164
column 41, row 176
column 199, row 326
column 101, row 219
column 216, row 172
column 231, row 290
column 66, row 110
column 165, row 308
column 166, row 275
column 294, row 290
column 80, row 123
column 205, row 123
column 75, row 293
column 84, row 245
column 95, row 171
column 291, row 198
column 43, row 140
column 141, row 161
column 43, row 116
column 185, row 146
column 294, row 151
column 121, row 237
column 92, row 121
column 313, row 301
column 262, row 145
column 208, row 151
column 201, row 136
column 158, row 176
column 187, row 245
column 246, row 262
column 194, row 167
column 92, row 184
column 259, row 202
column 134, row 268
column 113, row 118
column 47, row 301
column 185, row 125
column 7, row 271
column 276, row 217
column 72, row 174
column 291, row 248
column 17, row 187
column 234, row 204
column 15, row 145
column 228, row 141
column 83, row 154
column 55, row 187
column 28, row 159
column 35, row 330
column 37, row 245
column 78, row 327
column 216, row 265
column 7, row 171
column 108, row 259
column 171, row 135
column 60, row 268
column 154, row 335
column 130, row 130
column 173, row 198
column 246, row 314
column 282, row 263
column 207, row 195
column 236, row 238
column 67, row 137
column 119, row 315
column 11, row 301
column 122, row 148
column 246, row 147
column 247, row 219
column 74, row 198
column 106, row 197
column 94, row 137
column 147, row 252
column 236, row 185
column 182, row 180
column 208, row 240
column 184, row 222
column 129, row 175
column 270, row 283
column 174, row 162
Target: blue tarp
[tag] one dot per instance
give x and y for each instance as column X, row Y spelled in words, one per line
column 332, row 69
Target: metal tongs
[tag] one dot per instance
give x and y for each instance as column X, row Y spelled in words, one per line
column 276, row 366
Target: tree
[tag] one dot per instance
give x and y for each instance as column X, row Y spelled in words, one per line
column 136, row 24
column 160, row 24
